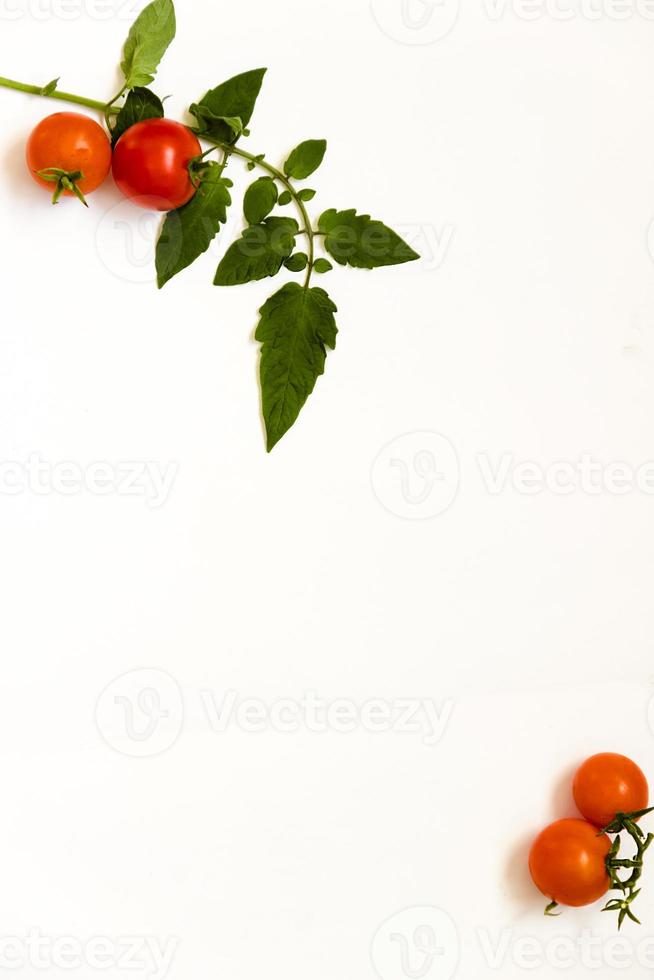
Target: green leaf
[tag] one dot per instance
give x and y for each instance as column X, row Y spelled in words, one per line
column 297, row 262
column 358, row 241
column 305, row 159
column 208, row 120
column 296, row 327
column 306, row 194
column 258, row 253
column 285, row 198
column 50, row 87
column 147, row 42
column 140, row 104
column 260, row 199
column 234, row 99
column 322, row 265
column 188, row 231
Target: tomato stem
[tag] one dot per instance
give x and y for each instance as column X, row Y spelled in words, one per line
column 626, row 822
column 52, row 94
column 258, row 161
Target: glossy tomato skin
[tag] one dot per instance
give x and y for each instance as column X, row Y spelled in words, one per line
column 151, row 162
column 568, row 862
column 607, row 784
column 72, row 142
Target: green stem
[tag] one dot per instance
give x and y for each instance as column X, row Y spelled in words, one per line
column 229, row 149
column 625, row 822
column 110, row 109
column 60, row 96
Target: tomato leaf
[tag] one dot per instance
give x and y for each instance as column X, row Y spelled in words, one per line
column 297, row 262
column 50, row 87
column 140, row 104
column 358, row 241
column 322, row 265
column 260, row 199
column 296, row 327
column 188, row 231
column 208, row 119
column 234, row 99
column 305, row 159
column 258, row 253
column 147, row 42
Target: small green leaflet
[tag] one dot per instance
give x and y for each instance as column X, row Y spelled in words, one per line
column 285, row 198
column 297, row 262
column 358, row 241
column 147, row 42
column 259, row 252
column 50, row 87
column 234, row 99
column 208, row 121
column 260, row 199
column 305, row 159
column 322, row 265
column 189, row 231
column 296, row 327
column 140, row 104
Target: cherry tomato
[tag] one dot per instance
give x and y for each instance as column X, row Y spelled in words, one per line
column 151, row 164
column 68, row 149
column 607, row 784
column 568, row 862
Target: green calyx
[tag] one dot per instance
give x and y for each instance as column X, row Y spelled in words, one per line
column 626, row 823
column 64, row 180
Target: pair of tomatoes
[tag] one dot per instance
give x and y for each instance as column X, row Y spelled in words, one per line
column 568, row 860
column 151, row 161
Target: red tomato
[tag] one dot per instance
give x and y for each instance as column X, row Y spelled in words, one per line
column 151, row 164
column 568, row 862
column 74, row 145
column 607, row 784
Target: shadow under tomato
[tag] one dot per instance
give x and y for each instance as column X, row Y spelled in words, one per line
column 520, row 887
column 14, row 168
column 563, row 804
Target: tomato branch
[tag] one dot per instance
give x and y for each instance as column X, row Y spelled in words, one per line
column 48, row 92
column 108, row 108
column 626, row 822
column 259, row 161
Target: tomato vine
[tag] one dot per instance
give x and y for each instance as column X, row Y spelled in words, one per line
column 297, row 324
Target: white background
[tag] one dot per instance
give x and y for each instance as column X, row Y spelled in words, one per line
column 525, row 147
